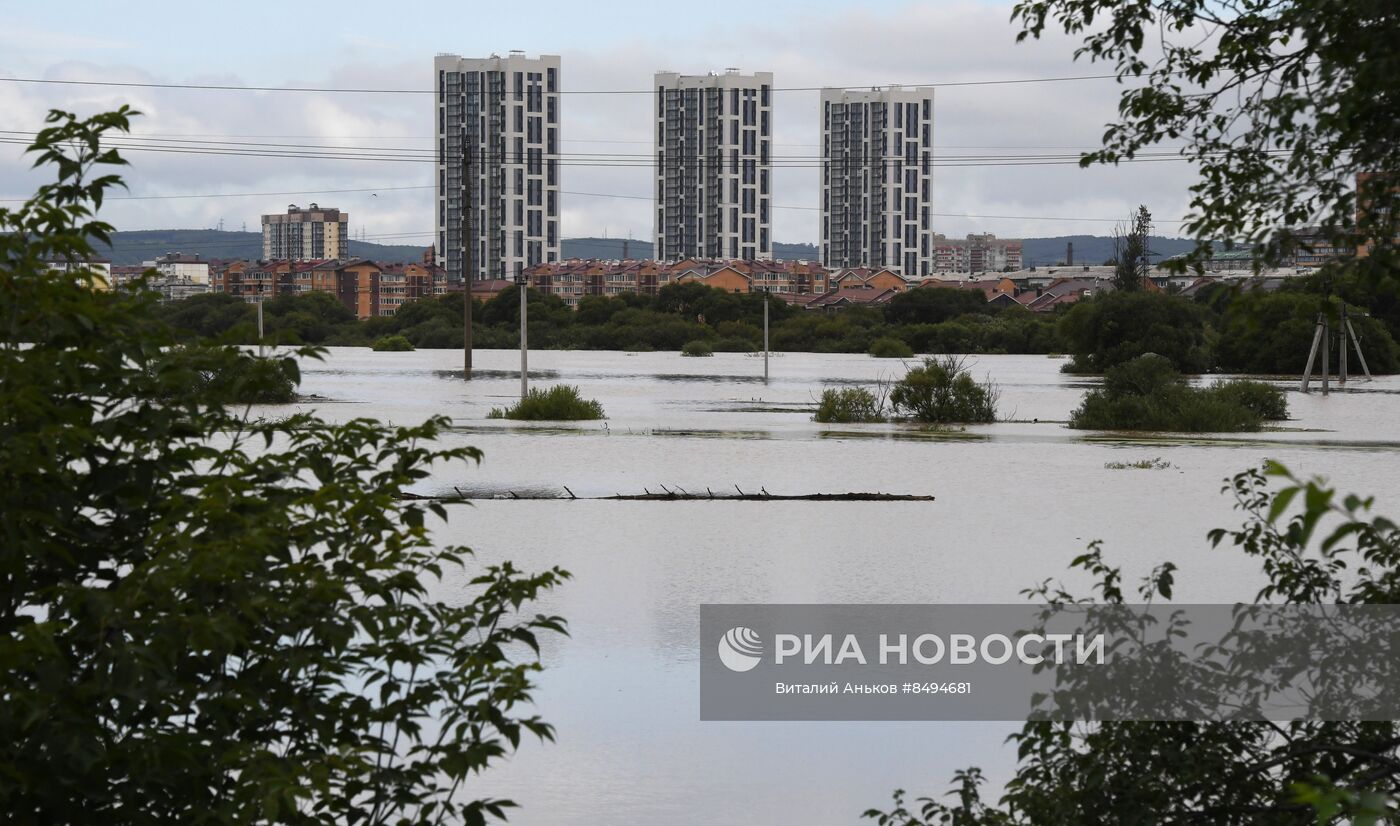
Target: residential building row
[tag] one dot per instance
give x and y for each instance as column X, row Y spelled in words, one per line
column 498, row 188
column 366, row 288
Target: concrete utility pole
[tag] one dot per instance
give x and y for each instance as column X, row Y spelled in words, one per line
column 524, row 343
column 467, row 214
column 261, row 349
column 765, row 335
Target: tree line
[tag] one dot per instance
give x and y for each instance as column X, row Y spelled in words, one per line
column 1222, row 328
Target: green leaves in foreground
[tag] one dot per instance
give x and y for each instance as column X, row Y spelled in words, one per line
column 205, row 619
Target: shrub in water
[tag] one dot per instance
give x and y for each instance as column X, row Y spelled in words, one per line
column 1261, row 397
column 697, row 348
column 888, row 347
column 1148, row 394
column 225, row 376
column 849, row 404
column 942, row 391
column 561, row 403
column 392, row 344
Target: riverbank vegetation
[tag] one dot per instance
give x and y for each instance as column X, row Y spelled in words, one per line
column 1147, row 393
column 560, row 403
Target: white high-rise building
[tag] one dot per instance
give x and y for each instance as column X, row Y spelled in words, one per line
column 498, row 164
column 713, row 165
column 876, row 179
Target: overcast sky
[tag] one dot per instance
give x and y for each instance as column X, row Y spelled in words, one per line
column 612, row 46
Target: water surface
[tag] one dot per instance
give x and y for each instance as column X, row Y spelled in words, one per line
column 1015, row 502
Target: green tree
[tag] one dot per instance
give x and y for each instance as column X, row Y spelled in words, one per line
column 931, row 305
column 1131, row 255
column 1272, row 333
column 943, row 391
column 1280, row 104
column 1116, row 327
column 207, row 619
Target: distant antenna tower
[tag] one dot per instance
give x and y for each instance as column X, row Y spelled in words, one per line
column 221, row 225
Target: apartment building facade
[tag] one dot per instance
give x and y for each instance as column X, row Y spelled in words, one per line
column 713, row 165
column 573, row 279
column 311, row 234
column 876, row 179
column 498, row 134
column 982, row 252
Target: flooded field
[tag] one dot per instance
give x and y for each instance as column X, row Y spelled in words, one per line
column 1015, row 501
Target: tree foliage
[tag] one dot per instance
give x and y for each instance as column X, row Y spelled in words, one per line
column 943, row 391
column 1131, row 256
column 1280, row 104
column 1148, row 394
column 206, row 619
column 1116, row 327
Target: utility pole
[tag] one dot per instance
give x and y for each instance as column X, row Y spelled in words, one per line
column 524, row 343
column 468, row 246
column 1342, row 348
column 765, row 335
column 261, row 349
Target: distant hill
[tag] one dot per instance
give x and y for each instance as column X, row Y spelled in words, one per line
column 1091, row 249
column 145, row 245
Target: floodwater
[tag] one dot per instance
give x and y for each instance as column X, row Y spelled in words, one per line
column 1015, row 502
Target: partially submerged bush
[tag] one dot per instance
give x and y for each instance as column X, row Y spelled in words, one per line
column 697, row 348
column 392, row 344
column 1148, row 394
column 942, row 391
column 1261, row 397
column 888, row 347
column 227, row 375
column 560, row 403
column 849, row 404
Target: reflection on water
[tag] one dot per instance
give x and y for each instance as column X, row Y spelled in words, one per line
column 1015, row 502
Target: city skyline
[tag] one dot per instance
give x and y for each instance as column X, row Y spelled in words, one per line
column 608, row 138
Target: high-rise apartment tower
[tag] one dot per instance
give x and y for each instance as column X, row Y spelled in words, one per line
column 498, row 164
column 312, row 234
column 713, row 165
column 876, row 179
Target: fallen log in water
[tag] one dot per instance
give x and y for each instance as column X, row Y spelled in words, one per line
column 678, row 495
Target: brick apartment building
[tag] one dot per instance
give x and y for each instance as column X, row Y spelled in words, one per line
column 365, row 287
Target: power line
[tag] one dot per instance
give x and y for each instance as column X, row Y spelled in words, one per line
column 625, row 161
column 239, row 194
column 209, row 87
